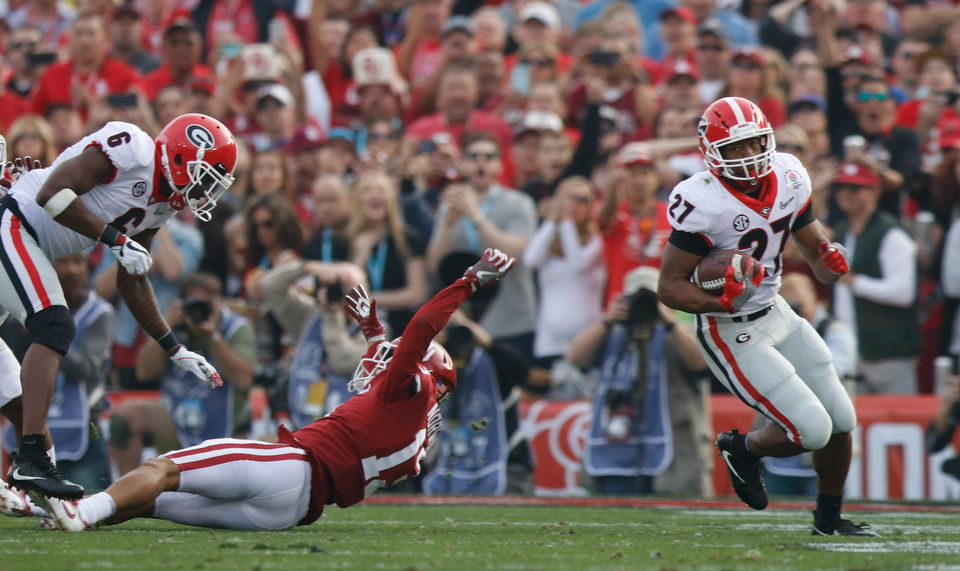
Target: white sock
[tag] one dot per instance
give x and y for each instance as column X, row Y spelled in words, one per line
column 52, row 453
column 97, row 507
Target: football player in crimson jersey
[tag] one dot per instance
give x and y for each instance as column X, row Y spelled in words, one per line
column 376, row 438
column 752, row 199
column 117, row 185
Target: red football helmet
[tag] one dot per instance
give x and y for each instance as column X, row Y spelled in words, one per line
column 198, row 155
column 436, row 361
column 729, row 120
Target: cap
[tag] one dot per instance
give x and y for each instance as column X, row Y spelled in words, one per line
column 376, row 66
column 305, row 138
column 205, row 82
column 682, row 12
column 457, row 24
column 278, row 91
column 636, row 153
column 857, row 175
column 540, row 121
column 857, row 54
column 641, row 278
column 930, row 55
column 678, row 68
column 807, row 102
column 712, row 26
column 343, row 134
column 182, row 23
column 749, row 52
column 545, row 13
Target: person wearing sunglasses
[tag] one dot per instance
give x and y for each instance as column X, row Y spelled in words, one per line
column 24, row 40
column 892, row 151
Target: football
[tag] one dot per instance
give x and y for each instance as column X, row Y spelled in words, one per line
column 709, row 273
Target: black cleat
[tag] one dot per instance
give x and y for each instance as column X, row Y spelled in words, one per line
column 746, row 475
column 841, row 527
column 42, row 477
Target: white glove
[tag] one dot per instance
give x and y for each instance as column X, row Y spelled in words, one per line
column 196, row 364
column 132, row 256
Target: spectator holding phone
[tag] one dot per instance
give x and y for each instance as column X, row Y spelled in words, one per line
column 26, row 58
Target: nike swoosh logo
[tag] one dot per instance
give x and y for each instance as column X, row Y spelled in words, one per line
column 726, row 458
column 68, row 509
column 481, row 274
column 18, row 476
column 784, row 204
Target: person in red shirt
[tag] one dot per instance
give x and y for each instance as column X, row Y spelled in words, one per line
column 374, row 439
column 88, row 74
column 633, row 220
column 456, row 101
column 678, row 30
column 181, row 60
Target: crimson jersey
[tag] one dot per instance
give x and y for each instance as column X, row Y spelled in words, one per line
column 381, row 435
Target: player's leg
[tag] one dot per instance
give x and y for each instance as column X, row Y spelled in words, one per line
column 30, row 291
column 238, row 484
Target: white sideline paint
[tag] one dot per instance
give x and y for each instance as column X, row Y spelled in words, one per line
column 934, row 547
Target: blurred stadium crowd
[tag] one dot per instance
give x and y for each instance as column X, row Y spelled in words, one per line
column 388, row 142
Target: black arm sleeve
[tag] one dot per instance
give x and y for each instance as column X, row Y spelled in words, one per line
column 585, row 156
column 805, row 217
column 690, row 242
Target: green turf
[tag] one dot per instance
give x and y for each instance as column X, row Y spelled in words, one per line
column 492, row 537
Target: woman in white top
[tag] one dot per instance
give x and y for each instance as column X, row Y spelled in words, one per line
column 567, row 252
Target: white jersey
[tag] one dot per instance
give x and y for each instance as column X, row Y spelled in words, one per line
column 727, row 219
column 128, row 202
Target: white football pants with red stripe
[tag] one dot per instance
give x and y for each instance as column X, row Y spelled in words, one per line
column 238, row 484
column 28, row 282
column 780, row 366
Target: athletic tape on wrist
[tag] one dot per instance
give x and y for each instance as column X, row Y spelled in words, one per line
column 168, row 342
column 59, row 202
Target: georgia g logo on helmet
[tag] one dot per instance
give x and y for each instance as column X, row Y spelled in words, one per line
column 199, row 136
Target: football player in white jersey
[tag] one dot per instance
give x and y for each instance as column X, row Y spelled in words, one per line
column 752, row 199
column 117, row 185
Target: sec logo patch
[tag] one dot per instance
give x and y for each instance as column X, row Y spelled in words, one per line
column 139, row 188
column 741, row 223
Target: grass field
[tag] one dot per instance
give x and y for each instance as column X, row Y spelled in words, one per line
column 465, row 537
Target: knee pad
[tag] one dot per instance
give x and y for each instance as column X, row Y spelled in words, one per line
column 815, row 429
column 52, row 327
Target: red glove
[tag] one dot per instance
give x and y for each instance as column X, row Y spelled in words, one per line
column 492, row 266
column 15, row 169
column 364, row 311
column 736, row 289
column 834, row 256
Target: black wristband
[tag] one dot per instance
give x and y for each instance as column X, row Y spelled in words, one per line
column 168, row 342
column 110, row 235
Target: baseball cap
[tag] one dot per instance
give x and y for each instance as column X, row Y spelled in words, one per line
column 544, row 13
column 929, row 55
column 641, row 278
column 182, row 23
column 714, row 27
column 540, row 121
column 457, row 24
column 857, row 54
column 856, row 174
column 376, row 66
column 278, row 91
column 678, row 68
column 750, row 52
column 636, row 153
column 682, row 12
column 305, row 138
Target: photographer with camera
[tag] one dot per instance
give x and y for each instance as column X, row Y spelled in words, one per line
column 650, row 414
column 190, row 412
column 306, row 298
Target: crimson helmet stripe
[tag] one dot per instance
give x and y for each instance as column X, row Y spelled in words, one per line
column 737, row 111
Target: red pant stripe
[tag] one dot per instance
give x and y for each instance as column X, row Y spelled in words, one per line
column 215, row 460
column 728, row 356
column 28, row 263
column 204, row 449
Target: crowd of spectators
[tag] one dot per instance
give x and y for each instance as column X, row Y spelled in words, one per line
column 389, row 142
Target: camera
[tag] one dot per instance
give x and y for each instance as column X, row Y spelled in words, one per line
column 122, row 100
column 606, row 59
column 334, row 291
column 198, row 310
column 41, row 58
column 643, row 309
column 950, row 96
